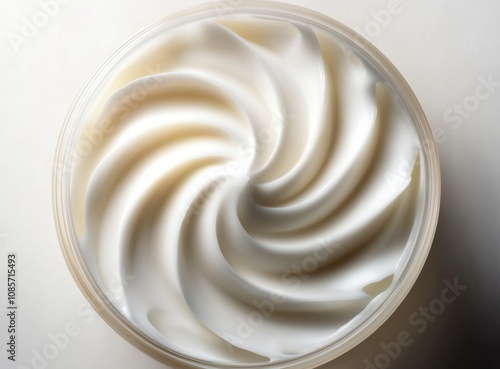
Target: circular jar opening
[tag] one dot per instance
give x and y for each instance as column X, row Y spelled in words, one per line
column 246, row 185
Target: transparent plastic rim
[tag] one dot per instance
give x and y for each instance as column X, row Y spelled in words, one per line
column 372, row 317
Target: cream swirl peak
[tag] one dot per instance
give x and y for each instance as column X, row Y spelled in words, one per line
column 249, row 188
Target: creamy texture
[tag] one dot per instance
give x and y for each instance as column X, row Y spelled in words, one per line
column 243, row 189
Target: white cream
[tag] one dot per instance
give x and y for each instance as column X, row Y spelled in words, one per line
column 248, row 187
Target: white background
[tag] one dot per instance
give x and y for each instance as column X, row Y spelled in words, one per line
column 442, row 48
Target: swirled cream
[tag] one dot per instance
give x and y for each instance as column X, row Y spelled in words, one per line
column 245, row 189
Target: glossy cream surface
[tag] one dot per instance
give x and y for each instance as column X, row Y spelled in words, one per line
column 243, row 189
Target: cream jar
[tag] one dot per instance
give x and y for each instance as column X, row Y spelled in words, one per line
column 252, row 186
